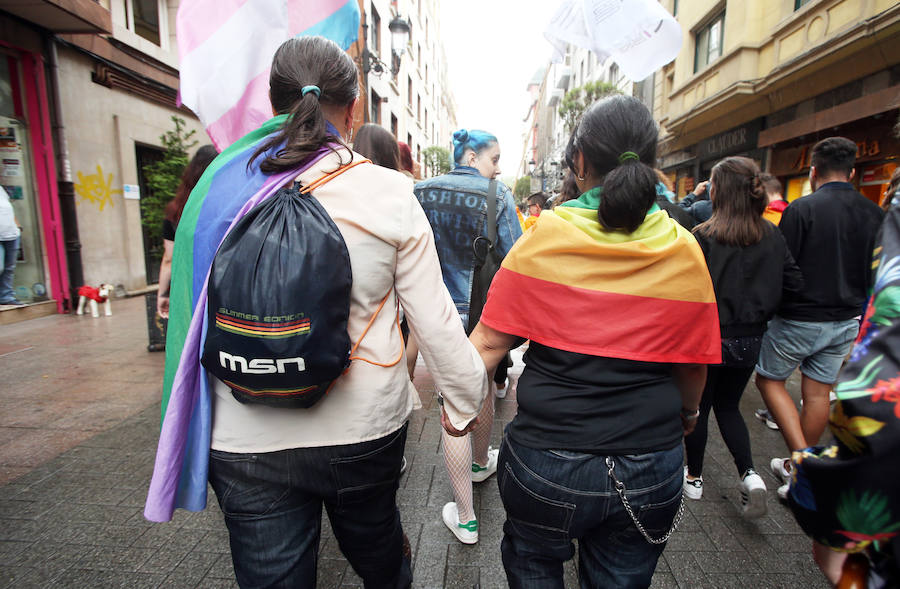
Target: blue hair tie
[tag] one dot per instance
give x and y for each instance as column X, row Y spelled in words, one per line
column 312, row 88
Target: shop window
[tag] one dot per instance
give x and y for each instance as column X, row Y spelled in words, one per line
column 709, row 41
column 16, row 178
column 874, row 180
column 797, row 187
column 143, row 17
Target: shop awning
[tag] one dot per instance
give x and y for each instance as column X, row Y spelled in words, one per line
column 62, row 16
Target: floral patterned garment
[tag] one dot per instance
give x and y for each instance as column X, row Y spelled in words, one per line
column 847, row 495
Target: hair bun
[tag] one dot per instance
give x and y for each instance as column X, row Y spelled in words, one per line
column 757, row 190
column 461, row 136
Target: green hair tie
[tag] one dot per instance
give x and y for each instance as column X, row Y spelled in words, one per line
column 628, row 155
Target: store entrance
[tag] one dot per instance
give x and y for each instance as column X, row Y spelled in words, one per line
column 153, row 243
column 29, row 281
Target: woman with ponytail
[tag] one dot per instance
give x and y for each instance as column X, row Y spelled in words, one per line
column 751, row 267
column 273, row 469
column 615, row 367
column 457, row 205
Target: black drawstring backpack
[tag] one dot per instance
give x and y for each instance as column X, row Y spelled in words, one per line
column 279, row 301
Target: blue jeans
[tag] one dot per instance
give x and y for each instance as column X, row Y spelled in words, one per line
column 552, row 497
column 273, row 510
column 9, row 250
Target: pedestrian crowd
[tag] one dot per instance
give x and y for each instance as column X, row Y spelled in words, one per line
column 642, row 315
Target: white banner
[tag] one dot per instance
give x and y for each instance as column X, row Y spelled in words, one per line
column 640, row 35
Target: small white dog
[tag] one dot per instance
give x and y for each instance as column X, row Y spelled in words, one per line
column 96, row 295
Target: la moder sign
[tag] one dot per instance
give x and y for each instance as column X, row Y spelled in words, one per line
column 741, row 138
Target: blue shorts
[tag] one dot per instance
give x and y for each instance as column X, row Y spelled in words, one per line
column 817, row 347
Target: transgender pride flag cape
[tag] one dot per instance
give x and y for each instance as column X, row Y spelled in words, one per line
column 642, row 296
column 224, row 194
column 225, row 50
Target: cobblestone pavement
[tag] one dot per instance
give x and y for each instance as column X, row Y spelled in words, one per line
column 78, row 431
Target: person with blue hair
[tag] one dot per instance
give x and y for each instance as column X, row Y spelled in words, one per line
column 471, row 144
column 456, row 205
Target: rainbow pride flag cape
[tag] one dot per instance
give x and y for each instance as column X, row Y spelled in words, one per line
column 642, row 296
column 224, row 194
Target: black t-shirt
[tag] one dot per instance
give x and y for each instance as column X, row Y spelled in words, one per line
column 831, row 234
column 592, row 404
column 168, row 230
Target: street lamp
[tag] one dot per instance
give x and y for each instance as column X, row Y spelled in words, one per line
column 399, row 28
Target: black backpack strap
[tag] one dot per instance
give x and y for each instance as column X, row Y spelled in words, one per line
column 492, row 212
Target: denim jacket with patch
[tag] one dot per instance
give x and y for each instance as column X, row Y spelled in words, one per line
column 456, row 206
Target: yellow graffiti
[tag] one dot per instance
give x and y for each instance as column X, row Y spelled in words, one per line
column 96, row 188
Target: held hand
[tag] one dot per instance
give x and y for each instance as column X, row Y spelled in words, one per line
column 162, row 307
column 448, row 427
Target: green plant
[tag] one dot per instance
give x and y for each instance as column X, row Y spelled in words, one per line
column 162, row 178
column 437, row 159
column 523, row 188
column 578, row 99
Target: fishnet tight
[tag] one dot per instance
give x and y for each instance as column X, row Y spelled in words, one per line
column 460, row 452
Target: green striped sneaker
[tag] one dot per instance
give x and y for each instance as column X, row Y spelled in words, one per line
column 481, row 473
column 466, row 533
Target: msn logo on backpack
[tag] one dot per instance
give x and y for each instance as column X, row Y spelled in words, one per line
column 243, row 365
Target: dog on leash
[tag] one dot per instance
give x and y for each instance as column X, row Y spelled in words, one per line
column 94, row 295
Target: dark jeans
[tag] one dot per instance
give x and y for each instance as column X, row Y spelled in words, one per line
column 552, row 497
column 723, row 390
column 273, row 509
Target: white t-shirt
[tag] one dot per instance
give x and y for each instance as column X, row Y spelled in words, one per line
column 8, row 228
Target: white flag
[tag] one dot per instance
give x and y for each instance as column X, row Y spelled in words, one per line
column 640, row 35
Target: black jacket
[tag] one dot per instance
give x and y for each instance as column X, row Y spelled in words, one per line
column 750, row 281
column 831, row 234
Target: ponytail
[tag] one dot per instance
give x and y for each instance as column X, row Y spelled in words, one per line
column 629, row 190
column 306, row 72
column 617, row 139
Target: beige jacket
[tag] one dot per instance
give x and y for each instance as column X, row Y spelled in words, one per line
column 391, row 250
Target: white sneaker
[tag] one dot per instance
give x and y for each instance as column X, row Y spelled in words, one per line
column 500, row 389
column 753, row 495
column 466, row 533
column 783, row 491
column 764, row 416
column 779, row 470
column 692, row 489
column 481, row 473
